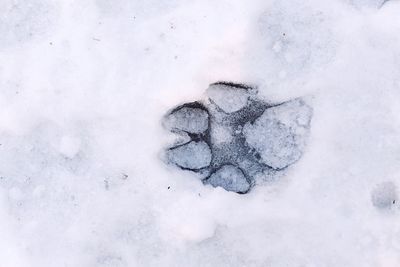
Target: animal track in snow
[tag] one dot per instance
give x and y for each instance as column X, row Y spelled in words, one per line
column 234, row 139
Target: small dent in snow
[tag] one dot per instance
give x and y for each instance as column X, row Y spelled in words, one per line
column 384, row 195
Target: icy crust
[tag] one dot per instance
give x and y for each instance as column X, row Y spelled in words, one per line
column 236, row 140
column 278, row 135
column 193, row 156
column 230, row 178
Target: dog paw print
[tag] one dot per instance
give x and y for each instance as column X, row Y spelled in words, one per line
column 233, row 139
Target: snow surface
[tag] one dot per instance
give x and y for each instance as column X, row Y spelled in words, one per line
column 192, row 120
column 83, row 88
column 279, row 134
column 230, row 178
column 228, row 99
column 193, row 155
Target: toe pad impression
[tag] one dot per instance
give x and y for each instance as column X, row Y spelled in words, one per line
column 189, row 119
column 231, row 178
column 192, row 156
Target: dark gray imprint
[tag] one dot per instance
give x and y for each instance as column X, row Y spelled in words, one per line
column 233, row 138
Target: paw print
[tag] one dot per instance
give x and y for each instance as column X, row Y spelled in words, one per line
column 233, row 139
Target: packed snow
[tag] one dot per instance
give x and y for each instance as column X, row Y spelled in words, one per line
column 231, row 178
column 279, row 134
column 84, row 89
column 228, row 98
column 188, row 119
column 193, row 155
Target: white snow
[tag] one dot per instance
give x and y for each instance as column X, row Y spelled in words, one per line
column 384, row 195
column 69, row 146
column 84, row 86
column 280, row 133
column 193, row 155
column 230, row 178
column 192, row 120
column 228, row 99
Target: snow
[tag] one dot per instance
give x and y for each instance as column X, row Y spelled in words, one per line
column 258, row 140
column 384, row 195
column 187, row 119
column 279, row 135
column 84, row 86
column 231, row 178
column 228, row 99
column 193, row 155
column 69, row 146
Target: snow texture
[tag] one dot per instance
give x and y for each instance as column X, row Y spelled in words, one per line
column 230, row 178
column 279, row 134
column 194, row 155
column 228, row 98
column 84, row 86
column 384, row 195
column 189, row 119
